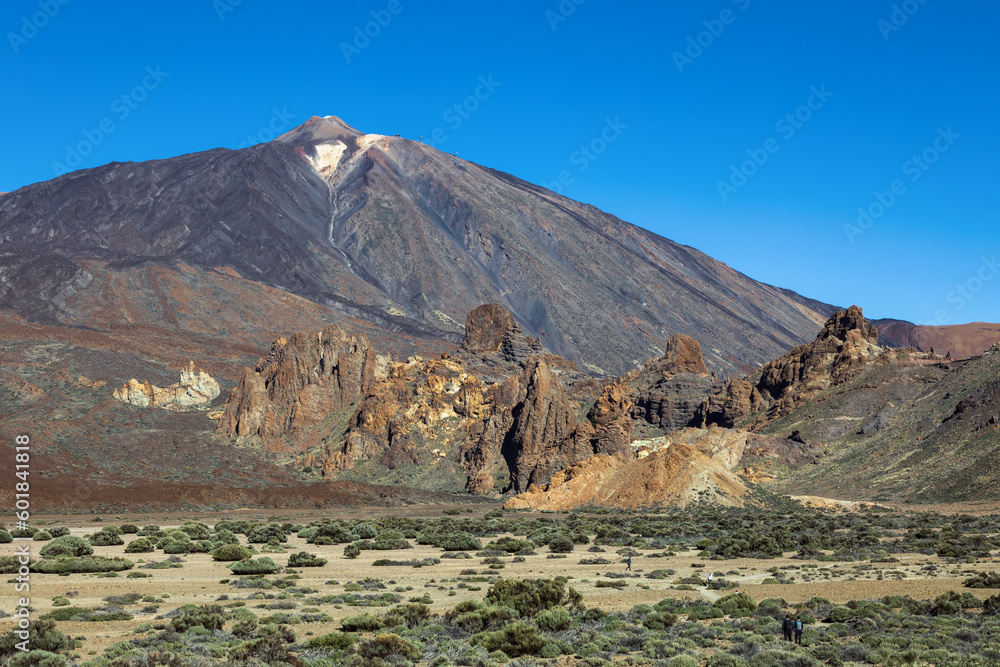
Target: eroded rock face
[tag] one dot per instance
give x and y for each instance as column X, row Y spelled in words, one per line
column 694, row 464
column 668, row 392
column 485, row 328
column 845, row 346
column 301, row 382
column 196, row 388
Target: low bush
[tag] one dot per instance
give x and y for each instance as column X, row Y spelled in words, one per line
column 140, row 545
column 304, row 559
column 210, row 617
column 529, row 596
column 106, row 538
column 67, row 545
column 387, row 648
column 983, row 580
column 230, row 552
column 515, row 640
column 262, row 565
column 364, row 622
column 81, row 564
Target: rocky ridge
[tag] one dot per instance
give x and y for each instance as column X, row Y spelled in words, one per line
column 196, row 388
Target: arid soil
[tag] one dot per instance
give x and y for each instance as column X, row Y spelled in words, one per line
column 199, row 581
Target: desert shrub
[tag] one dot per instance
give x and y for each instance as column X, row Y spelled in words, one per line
column 335, row 641
column 726, row 660
column 304, row 559
column 411, row 615
column 262, row 565
column 364, row 531
column 129, row 528
column 515, row 640
column 42, row 536
column 65, row 613
column 67, row 545
column 264, row 534
column 363, row 622
column 58, row 531
column 37, row 659
column 840, row 615
column 200, row 547
column 983, row 580
column 560, row 544
column 991, row 605
column 511, row 545
column 230, row 552
column 657, row 620
column 553, row 620
column 140, row 545
column 82, row 564
column 43, row 635
column 529, row 596
column 178, row 536
column 5, row 537
column 210, row 617
column 388, row 647
column 176, row 547
column 737, row 605
column 197, row 530
column 148, row 531
column 225, row 536
column 459, row 541
column 352, row 550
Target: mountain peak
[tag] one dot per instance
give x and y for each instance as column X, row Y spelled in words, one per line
column 322, row 129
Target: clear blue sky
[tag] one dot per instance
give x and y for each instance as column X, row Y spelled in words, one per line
column 891, row 91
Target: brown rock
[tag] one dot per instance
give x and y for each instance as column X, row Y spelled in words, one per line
column 485, row 328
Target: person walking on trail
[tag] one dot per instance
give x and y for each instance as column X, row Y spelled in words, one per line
column 798, row 629
column 628, row 564
column 709, row 576
column 788, row 627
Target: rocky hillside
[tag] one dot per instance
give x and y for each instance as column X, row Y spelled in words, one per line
column 376, row 231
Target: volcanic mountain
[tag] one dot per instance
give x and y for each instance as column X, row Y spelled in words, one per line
column 390, row 236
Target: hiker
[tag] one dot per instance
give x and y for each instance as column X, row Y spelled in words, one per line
column 709, row 576
column 628, row 563
column 788, row 627
column 798, row 629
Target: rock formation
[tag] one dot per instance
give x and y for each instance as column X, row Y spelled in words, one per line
column 694, row 465
column 301, row 382
column 196, row 388
column 485, row 327
column 668, row 392
column 845, row 346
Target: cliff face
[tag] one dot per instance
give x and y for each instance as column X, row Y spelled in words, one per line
column 300, row 383
column 668, row 392
column 196, row 388
column 846, row 345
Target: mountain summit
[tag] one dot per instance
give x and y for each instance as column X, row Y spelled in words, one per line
column 386, row 232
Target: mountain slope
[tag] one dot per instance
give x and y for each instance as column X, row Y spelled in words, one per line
column 381, row 229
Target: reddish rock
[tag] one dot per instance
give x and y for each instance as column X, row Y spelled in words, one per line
column 485, row 328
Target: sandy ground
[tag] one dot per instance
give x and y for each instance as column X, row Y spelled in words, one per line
column 199, row 580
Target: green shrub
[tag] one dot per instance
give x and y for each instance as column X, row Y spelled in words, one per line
column 515, row 640
column 553, row 620
column 840, row 615
column 363, row 622
column 129, row 528
column 42, row 536
column 197, row 530
column 140, row 545
column 65, row 613
column 335, row 641
column 737, row 605
column 43, row 635
column 230, row 552
column 304, row 559
column 530, row 596
column 364, row 531
column 225, row 536
column 352, row 550
column 459, row 541
column 67, row 545
column 262, row 565
column 210, row 617
column 84, row 564
column 105, row 539
column 411, row 615
column 981, row 580
column 387, row 647
column 176, row 547
column 560, row 545
column 264, row 534
column 37, row 659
